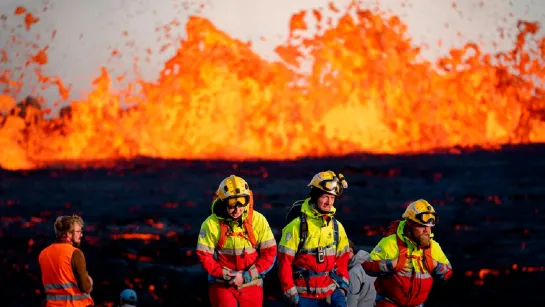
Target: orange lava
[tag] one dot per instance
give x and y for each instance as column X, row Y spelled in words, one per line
column 135, row 236
column 480, row 274
column 366, row 91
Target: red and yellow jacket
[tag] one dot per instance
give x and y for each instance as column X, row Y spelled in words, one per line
column 237, row 253
column 409, row 284
column 293, row 265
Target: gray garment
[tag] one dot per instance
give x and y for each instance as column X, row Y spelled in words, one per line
column 362, row 286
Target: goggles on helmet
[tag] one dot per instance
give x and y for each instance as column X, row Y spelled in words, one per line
column 427, row 218
column 240, row 201
column 331, row 185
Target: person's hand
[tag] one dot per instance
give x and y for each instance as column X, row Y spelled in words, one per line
column 344, row 292
column 238, row 279
column 394, row 263
column 435, row 263
column 407, row 267
column 90, row 279
column 294, row 301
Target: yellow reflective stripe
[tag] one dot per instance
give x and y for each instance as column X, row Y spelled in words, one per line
column 303, row 289
column 236, row 251
column 205, row 248
column 253, row 272
column 267, row 243
column 445, row 268
column 383, row 265
column 418, row 275
column 344, row 250
column 331, row 251
column 286, row 250
column 78, row 297
column 225, row 273
column 67, row 285
column 291, row 292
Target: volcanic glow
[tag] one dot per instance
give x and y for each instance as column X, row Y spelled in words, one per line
column 366, row 91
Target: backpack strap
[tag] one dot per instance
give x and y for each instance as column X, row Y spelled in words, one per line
column 402, row 259
column 303, row 231
column 247, row 224
column 294, row 211
column 224, row 229
column 428, row 260
column 335, row 231
column 307, row 274
column 225, row 232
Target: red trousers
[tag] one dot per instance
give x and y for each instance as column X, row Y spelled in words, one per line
column 222, row 295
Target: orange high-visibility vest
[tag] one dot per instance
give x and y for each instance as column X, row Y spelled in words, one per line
column 59, row 282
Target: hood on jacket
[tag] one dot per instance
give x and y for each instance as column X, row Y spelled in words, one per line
column 360, row 257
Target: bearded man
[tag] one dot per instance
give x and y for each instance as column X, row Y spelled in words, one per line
column 408, row 259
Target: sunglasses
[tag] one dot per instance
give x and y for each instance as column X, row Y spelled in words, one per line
column 239, row 202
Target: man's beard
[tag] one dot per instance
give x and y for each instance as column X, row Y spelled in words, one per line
column 423, row 240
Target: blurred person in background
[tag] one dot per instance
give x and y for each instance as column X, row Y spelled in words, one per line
column 361, row 292
column 128, row 298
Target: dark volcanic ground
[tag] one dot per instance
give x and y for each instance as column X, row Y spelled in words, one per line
column 142, row 222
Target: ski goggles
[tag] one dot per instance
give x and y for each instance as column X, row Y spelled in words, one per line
column 332, row 186
column 427, row 218
column 239, row 202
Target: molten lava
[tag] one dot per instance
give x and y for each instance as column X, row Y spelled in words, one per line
column 366, row 91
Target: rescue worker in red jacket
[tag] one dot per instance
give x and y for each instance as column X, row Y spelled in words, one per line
column 313, row 253
column 406, row 261
column 63, row 269
column 236, row 247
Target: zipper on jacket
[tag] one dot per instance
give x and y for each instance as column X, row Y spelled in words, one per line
column 409, row 296
column 232, row 227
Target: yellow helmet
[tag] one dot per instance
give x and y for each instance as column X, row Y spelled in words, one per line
column 421, row 212
column 329, row 182
column 235, row 190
